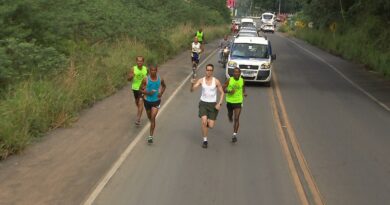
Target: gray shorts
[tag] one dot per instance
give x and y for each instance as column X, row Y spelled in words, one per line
column 208, row 109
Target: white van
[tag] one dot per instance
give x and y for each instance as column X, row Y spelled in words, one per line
column 254, row 57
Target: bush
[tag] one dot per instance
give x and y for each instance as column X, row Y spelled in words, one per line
column 22, row 60
column 353, row 44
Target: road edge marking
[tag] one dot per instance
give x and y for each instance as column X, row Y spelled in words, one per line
column 114, row 168
column 341, row 74
column 318, row 199
column 287, row 152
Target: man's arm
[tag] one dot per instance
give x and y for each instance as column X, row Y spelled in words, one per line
column 143, row 87
column 131, row 75
column 163, row 87
column 243, row 90
column 195, row 84
column 225, row 85
column 221, row 94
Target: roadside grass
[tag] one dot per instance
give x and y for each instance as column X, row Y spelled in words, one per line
column 31, row 108
column 353, row 45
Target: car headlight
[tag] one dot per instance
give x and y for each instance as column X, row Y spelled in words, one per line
column 232, row 64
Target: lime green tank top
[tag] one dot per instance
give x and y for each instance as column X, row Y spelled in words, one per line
column 139, row 75
column 199, row 35
column 237, row 85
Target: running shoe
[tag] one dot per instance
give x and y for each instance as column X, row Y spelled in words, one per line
column 138, row 122
column 205, row 143
column 150, row 139
column 234, row 139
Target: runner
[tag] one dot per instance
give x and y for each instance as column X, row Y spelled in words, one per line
column 137, row 74
column 235, row 89
column 200, row 35
column 208, row 106
column 196, row 49
column 153, row 87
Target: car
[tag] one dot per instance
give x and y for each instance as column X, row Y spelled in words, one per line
column 268, row 28
column 253, row 55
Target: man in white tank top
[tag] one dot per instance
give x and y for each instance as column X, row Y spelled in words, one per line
column 208, row 106
column 196, row 49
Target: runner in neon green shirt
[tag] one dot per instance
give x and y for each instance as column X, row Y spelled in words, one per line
column 137, row 74
column 235, row 93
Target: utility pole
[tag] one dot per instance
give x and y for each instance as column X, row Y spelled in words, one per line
column 279, row 7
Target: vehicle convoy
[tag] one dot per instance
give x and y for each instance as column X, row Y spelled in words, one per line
column 253, row 55
column 268, row 22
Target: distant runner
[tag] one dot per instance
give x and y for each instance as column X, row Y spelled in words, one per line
column 153, row 87
column 137, row 74
column 208, row 106
column 235, row 93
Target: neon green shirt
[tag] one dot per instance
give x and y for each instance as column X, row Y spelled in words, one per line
column 139, row 75
column 199, row 35
column 237, row 85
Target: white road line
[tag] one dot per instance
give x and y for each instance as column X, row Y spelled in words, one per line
column 103, row 182
column 341, row 74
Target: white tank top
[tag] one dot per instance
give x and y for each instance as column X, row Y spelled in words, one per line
column 209, row 92
column 196, row 47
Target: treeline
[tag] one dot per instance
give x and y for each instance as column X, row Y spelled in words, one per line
column 37, row 36
column 357, row 30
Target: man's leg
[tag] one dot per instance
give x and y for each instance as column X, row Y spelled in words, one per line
column 153, row 114
column 210, row 123
column 230, row 112
column 204, row 126
column 140, row 109
column 237, row 112
column 204, row 130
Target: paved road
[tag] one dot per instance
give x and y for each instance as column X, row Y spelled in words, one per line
column 177, row 170
column 343, row 134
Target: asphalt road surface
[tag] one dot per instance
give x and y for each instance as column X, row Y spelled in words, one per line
column 319, row 135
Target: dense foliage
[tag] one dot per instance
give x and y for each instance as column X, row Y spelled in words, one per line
column 37, row 36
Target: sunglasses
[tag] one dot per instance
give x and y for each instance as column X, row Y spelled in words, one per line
column 209, row 70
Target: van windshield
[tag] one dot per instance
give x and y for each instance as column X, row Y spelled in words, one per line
column 247, row 50
column 267, row 17
column 247, row 24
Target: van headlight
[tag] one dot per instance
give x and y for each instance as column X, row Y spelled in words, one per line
column 232, row 64
column 265, row 66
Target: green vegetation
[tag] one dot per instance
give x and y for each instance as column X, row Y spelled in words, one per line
column 59, row 57
column 356, row 30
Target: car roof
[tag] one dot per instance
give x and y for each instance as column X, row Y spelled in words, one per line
column 241, row 34
column 255, row 40
column 268, row 13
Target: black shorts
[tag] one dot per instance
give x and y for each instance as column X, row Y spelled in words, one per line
column 232, row 106
column 195, row 57
column 148, row 105
column 137, row 94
